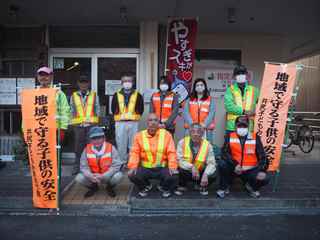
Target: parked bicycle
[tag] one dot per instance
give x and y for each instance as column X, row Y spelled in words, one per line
column 301, row 136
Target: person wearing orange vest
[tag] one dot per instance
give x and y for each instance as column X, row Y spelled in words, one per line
column 127, row 107
column 240, row 99
column 100, row 163
column 166, row 105
column 200, row 108
column 197, row 163
column 85, row 111
column 153, row 155
column 243, row 155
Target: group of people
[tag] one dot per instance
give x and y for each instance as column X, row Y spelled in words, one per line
column 151, row 153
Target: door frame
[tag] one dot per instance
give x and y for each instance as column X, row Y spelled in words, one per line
column 94, row 54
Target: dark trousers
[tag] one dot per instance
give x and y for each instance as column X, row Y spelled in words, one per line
column 80, row 141
column 142, row 178
column 186, row 176
column 227, row 174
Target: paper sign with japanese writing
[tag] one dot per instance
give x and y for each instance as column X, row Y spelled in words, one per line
column 272, row 109
column 219, row 79
column 39, row 128
column 181, row 51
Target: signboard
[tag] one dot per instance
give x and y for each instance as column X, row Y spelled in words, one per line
column 112, row 86
column 181, row 51
column 272, row 109
column 39, row 128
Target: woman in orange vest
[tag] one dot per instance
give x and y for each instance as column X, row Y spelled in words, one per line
column 165, row 104
column 199, row 108
column 243, row 155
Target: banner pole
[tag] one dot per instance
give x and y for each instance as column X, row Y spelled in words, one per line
column 166, row 54
column 59, row 161
column 286, row 138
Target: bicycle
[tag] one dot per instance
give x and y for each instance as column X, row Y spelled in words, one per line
column 302, row 136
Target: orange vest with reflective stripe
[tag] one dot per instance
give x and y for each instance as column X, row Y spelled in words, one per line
column 156, row 158
column 127, row 112
column 99, row 164
column 85, row 113
column 246, row 157
column 200, row 160
column 164, row 110
column 199, row 111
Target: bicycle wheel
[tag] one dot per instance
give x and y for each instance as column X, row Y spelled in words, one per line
column 306, row 139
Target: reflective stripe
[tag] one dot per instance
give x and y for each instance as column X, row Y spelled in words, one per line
column 127, row 113
column 234, row 140
column 151, row 162
column 201, row 157
column 84, row 113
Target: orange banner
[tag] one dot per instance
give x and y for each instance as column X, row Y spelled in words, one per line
column 39, row 127
column 272, row 109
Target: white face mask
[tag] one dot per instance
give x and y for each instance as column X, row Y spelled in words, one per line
column 242, row 131
column 164, row 87
column 242, row 78
column 199, row 89
column 127, row 85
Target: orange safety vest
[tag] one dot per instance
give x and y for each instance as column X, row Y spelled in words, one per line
column 84, row 113
column 155, row 158
column 127, row 112
column 246, row 157
column 164, row 110
column 199, row 111
column 99, row 164
column 200, row 160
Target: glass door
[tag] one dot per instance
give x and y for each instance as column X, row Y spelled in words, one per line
column 110, row 69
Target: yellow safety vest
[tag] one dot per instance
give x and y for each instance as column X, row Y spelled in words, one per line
column 84, row 113
column 200, row 159
column 246, row 103
column 150, row 162
column 127, row 112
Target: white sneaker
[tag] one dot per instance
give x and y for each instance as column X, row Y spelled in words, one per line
column 160, row 188
column 204, row 191
column 166, row 194
column 222, row 193
column 252, row 193
column 144, row 192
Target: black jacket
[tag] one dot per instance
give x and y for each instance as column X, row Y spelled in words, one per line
column 139, row 108
column 260, row 153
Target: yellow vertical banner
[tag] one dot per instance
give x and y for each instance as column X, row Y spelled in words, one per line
column 272, row 109
column 39, row 129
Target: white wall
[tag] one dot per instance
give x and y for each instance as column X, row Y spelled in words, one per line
column 255, row 48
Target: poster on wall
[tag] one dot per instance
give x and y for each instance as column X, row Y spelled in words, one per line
column 7, row 85
column 112, row 86
column 8, row 91
column 181, row 53
column 24, row 83
column 219, row 79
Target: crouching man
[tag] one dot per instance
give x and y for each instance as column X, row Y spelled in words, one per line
column 153, row 156
column 196, row 161
column 243, row 155
column 99, row 164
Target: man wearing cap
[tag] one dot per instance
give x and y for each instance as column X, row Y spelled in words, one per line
column 45, row 79
column 127, row 107
column 243, row 155
column 197, row 163
column 85, row 112
column 240, row 99
column 99, row 164
column 153, row 156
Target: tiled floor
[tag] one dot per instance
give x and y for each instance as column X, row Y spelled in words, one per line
column 76, row 193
